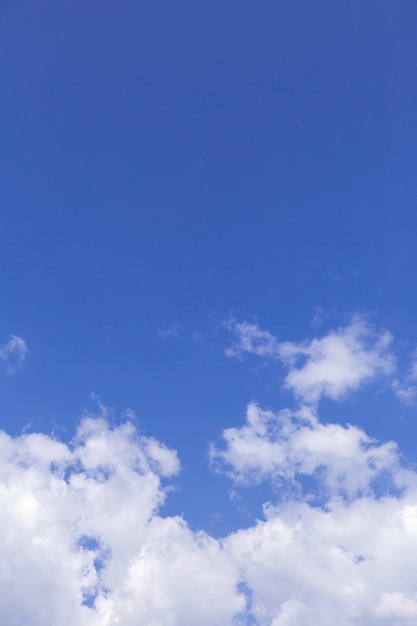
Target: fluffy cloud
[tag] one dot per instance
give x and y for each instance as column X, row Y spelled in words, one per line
column 289, row 445
column 13, row 353
column 348, row 563
column 83, row 540
column 337, row 363
column 339, row 545
column 331, row 366
column 83, row 543
column 347, row 559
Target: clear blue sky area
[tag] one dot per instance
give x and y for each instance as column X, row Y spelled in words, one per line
column 165, row 166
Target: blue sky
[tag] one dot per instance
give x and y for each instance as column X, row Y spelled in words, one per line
column 206, row 205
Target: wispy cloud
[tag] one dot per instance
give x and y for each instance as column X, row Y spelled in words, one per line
column 405, row 388
column 318, row 318
column 249, row 338
column 173, row 331
column 13, row 353
column 405, row 391
column 177, row 331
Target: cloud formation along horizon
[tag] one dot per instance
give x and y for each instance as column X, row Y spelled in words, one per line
column 84, row 540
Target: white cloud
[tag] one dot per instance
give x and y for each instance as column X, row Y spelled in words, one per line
column 331, row 366
column 83, row 542
column 289, row 445
column 339, row 546
column 349, row 560
column 13, row 353
column 351, row 563
column 405, row 391
column 251, row 339
column 406, row 388
column 318, row 318
column 179, row 577
column 397, row 605
column 338, row 363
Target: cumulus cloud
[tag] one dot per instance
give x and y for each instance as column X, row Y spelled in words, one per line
column 330, row 366
column 337, row 363
column 13, row 353
column 350, row 563
column 348, row 559
column 83, row 541
column 288, row 445
column 339, row 544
